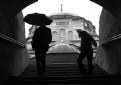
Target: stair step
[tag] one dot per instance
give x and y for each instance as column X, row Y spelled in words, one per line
column 59, row 81
column 60, row 74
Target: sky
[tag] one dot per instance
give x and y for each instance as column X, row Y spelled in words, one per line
column 83, row 8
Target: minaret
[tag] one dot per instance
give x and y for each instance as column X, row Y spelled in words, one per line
column 61, row 7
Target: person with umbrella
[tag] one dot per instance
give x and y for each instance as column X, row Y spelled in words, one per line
column 41, row 39
column 86, row 50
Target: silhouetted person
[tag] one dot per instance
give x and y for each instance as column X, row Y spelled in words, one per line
column 86, row 50
column 40, row 43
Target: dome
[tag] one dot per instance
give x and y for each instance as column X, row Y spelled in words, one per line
column 63, row 48
column 64, row 15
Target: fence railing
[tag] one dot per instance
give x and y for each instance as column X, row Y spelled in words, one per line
column 111, row 39
column 7, row 38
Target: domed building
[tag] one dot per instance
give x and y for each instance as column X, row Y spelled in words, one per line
column 64, row 28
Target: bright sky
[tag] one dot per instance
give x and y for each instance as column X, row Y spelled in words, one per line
column 83, row 8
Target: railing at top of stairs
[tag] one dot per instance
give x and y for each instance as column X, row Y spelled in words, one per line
column 7, row 38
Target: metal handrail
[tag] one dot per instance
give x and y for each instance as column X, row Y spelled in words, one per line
column 3, row 36
column 111, row 39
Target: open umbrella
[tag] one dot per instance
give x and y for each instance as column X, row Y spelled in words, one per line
column 12, row 7
column 37, row 19
column 113, row 6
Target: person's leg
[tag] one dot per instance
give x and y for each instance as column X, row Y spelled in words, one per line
column 79, row 61
column 89, row 58
column 43, row 60
column 37, row 56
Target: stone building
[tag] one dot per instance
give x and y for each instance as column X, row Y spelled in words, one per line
column 64, row 28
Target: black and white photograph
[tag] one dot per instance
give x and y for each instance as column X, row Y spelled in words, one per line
column 60, row 42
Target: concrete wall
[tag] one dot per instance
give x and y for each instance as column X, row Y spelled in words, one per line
column 13, row 58
column 108, row 57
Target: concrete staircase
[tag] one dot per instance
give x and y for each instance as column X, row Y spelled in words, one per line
column 62, row 74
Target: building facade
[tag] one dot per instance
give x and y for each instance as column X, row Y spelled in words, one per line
column 64, row 28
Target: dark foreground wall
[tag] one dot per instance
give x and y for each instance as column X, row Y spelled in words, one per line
column 13, row 57
column 109, row 56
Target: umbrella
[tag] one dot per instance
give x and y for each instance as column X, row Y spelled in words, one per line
column 12, row 7
column 37, row 19
column 113, row 6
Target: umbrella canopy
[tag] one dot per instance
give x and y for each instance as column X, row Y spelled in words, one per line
column 113, row 6
column 12, row 7
column 37, row 19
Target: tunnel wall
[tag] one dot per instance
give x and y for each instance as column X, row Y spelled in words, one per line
column 108, row 56
column 13, row 58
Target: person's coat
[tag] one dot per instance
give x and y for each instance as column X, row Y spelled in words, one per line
column 86, row 41
column 41, row 39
